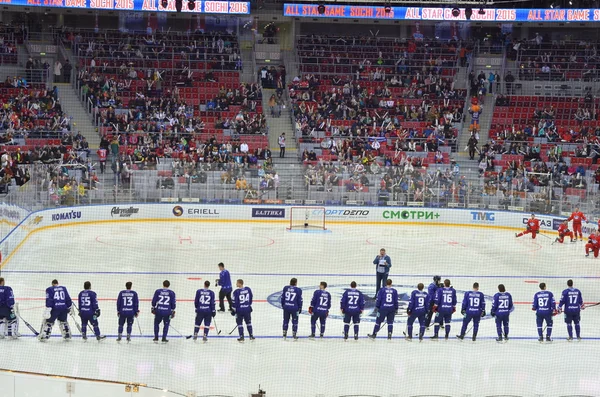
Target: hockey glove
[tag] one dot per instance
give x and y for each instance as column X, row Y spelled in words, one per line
column 434, row 309
column 233, row 312
column 408, row 312
column 214, row 314
column 97, row 313
column 153, row 310
column 533, row 308
column 483, row 313
column 72, row 310
column 493, row 313
column 454, row 310
column 216, row 282
column 173, row 314
column 376, row 311
column 298, row 312
column 342, row 310
column 47, row 313
column 310, row 310
column 12, row 314
column 583, row 306
column 555, row 312
column 463, row 312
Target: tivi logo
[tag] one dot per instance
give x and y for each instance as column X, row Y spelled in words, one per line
column 478, row 216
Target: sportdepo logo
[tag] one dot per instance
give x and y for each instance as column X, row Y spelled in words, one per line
column 368, row 291
column 177, row 210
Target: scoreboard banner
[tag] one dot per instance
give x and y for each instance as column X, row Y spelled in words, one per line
column 443, row 14
column 202, row 6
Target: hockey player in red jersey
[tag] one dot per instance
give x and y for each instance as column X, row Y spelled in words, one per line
column 533, row 227
column 593, row 244
column 563, row 231
column 577, row 217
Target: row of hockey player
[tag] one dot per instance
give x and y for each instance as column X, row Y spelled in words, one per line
column 439, row 299
column 577, row 217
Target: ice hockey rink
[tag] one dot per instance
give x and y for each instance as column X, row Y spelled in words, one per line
column 266, row 256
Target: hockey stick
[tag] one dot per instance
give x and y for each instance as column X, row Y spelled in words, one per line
column 234, row 328
column 216, row 328
column 25, row 322
column 548, row 237
column 75, row 318
column 592, row 305
column 180, row 334
column 139, row 327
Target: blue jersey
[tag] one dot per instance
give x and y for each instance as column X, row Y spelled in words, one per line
column 502, row 304
column 387, row 300
column 7, row 298
column 432, row 291
column 58, row 298
column 543, row 302
column 445, row 299
column 204, row 301
column 242, row 300
column 321, row 302
column 419, row 302
column 225, row 280
column 291, row 299
column 473, row 303
column 88, row 302
column 164, row 301
column 353, row 301
column 128, row 303
column 572, row 300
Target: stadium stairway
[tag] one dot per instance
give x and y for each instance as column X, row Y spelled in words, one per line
column 280, row 124
column 485, row 122
column 80, row 119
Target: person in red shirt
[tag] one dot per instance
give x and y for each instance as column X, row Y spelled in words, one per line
column 577, row 217
column 102, row 158
column 533, row 227
column 563, row 230
column 593, row 244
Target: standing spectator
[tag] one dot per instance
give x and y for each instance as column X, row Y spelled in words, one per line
column 102, row 159
column 382, row 264
column 224, row 282
column 67, row 67
column 509, row 79
column 282, row 145
column 57, row 71
column 491, row 80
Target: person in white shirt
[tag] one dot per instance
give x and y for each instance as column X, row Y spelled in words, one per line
column 57, row 70
column 281, row 142
column 244, row 147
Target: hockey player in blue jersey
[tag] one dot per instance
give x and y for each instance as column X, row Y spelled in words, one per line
column 444, row 306
column 163, row 308
column 544, row 306
column 386, row 307
column 473, row 308
column 58, row 306
column 291, row 303
column 7, row 310
column 224, row 281
column 205, row 310
column 89, row 311
column 431, row 293
column 128, row 305
column 572, row 300
column 502, row 306
column 319, row 309
column 418, row 306
column 352, row 306
column 242, row 309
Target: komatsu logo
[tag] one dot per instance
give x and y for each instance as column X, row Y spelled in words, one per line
column 368, row 291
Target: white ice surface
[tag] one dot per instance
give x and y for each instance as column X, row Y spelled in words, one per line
column 266, row 257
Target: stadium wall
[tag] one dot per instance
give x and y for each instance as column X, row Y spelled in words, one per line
column 49, row 219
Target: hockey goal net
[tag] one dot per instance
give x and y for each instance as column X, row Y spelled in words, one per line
column 307, row 217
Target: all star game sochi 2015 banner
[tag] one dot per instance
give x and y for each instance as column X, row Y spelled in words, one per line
column 443, row 14
column 202, row 7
